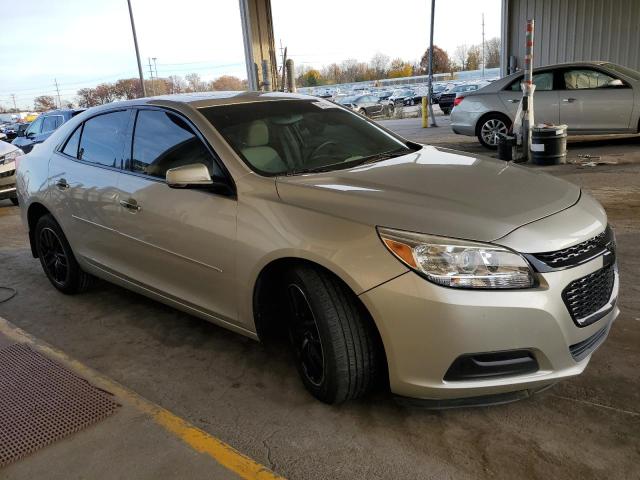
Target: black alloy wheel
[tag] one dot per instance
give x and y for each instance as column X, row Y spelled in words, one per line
column 54, row 259
column 305, row 337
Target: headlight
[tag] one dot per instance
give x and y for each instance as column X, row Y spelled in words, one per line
column 459, row 263
column 12, row 155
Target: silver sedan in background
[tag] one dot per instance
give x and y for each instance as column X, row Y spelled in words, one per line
column 591, row 98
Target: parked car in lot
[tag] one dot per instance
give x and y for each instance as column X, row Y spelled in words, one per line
column 368, row 105
column 452, row 275
column 447, row 99
column 42, row 127
column 591, row 98
column 13, row 130
column 399, row 96
column 8, row 155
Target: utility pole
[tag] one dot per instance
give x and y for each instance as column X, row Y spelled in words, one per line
column 55, row 80
column 153, row 85
column 430, row 88
column 155, row 67
column 483, row 45
column 13, row 97
column 135, row 43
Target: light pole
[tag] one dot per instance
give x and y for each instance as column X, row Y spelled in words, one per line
column 135, row 43
column 430, row 87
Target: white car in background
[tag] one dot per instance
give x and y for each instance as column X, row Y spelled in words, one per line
column 591, row 98
column 8, row 155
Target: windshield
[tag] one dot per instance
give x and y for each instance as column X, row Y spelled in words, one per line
column 300, row 136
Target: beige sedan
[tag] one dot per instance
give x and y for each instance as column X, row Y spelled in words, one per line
column 459, row 279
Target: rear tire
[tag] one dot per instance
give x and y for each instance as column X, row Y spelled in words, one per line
column 14, row 200
column 489, row 127
column 446, row 110
column 334, row 345
column 57, row 259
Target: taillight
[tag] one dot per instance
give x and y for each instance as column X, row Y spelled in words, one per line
column 458, row 101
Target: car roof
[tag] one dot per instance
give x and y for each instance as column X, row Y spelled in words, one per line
column 206, row 99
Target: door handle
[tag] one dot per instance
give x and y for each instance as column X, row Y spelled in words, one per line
column 62, row 184
column 131, row 205
column 568, row 100
column 513, row 100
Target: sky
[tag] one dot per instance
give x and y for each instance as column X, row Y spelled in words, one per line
column 81, row 43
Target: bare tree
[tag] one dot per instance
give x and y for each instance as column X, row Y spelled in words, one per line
column 194, row 82
column 492, row 53
column 87, row 97
column 44, row 103
column 460, row 56
column 379, row 64
column 176, row 84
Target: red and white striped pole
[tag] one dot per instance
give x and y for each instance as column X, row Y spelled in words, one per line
column 527, row 101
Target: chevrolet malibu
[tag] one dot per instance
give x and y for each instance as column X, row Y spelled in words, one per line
column 592, row 98
column 458, row 279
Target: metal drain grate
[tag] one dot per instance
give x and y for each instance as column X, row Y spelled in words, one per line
column 41, row 402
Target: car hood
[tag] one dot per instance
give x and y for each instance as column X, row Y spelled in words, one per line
column 435, row 191
column 6, row 147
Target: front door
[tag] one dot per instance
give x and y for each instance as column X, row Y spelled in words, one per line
column 179, row 243
column 546, row 108
column 594, row 101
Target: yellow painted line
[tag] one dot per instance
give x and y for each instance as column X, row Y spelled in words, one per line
column 197, row 439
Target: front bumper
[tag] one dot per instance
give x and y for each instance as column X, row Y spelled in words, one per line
column 7, row 180
column 425, row 328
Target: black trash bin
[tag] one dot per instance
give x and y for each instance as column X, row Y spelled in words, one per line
column 549, row 144
column 505, row 147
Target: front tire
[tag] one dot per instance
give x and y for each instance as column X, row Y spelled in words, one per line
column 57, row 259
column 335, row 348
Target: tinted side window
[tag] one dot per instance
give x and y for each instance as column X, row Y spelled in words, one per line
column 49, row 124
column 71, row 148
column 543, row 82
column 102, row 139
column 162, row 140
column 580, row 79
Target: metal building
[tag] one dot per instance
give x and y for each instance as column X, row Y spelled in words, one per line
column 571, row 30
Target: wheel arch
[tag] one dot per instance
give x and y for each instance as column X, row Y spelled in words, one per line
column 492, row 113
column 266, row 301
column 35, row 211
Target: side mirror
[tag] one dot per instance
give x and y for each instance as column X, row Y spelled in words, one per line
column 615, row 83
column 193, row 175
column 29, row 135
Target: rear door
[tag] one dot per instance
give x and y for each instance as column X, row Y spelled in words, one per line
column 546, row 108
column 594, row 101
column 83, row 176
column 177, row 242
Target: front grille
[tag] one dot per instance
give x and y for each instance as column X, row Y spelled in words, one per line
column 580, row 253
column 587, row 295
column 584, row 348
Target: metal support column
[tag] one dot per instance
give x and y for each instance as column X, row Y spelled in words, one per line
column 259, row 44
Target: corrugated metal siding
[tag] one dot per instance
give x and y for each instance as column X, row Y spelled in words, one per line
column 574, row 30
